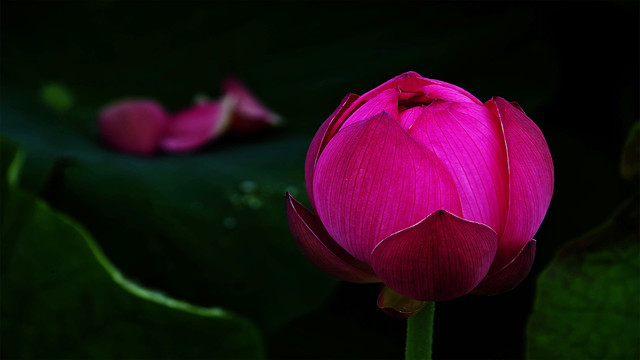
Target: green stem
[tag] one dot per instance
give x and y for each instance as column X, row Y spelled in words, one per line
column 420, row 334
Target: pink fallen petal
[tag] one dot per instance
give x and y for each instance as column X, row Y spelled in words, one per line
column 469, row 142
column 374, row 179
column 317, row 246
column 440, row 258
column 249, row 115
column 511, row 275
column 133, row 126
column 530, row 179
column 396, row 305
column 318, row 143
column 196, row 126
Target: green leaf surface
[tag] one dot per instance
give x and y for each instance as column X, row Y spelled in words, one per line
column 62, row 298
column 208, row 227
column 587, row 298
column 11, row 161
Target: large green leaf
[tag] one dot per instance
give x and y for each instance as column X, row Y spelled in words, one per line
column 587, row 298
column 62, row 298
column 208, row 227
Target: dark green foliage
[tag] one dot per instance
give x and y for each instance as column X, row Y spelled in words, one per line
column 62, row 298
column 587, row 299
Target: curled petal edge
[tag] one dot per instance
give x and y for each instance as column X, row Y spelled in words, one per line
column 511, row 275
column 316, row 244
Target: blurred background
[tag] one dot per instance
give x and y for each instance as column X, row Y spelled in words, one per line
column 209, row 228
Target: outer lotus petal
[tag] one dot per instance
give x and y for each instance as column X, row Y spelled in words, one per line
column 511, row 275
column 318, row 143
column 385, row 101
column 469, row 142
column 396, row 305
column 133, row 126
column 318, row 246
column 196, row 126
column 440, row 258
column 374, row 179
column 530, row 179
column 249, row 115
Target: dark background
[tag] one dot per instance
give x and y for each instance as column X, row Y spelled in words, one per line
column 572, row 66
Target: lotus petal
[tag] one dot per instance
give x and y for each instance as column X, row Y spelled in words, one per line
column 469, row 142
column 411, row 81
column 442, row 92
column 133, row 126
column 441, row 257
column 409, row 116
column 194, row 127
column 249, row 114
column 516, row 105
column 317, row 246
column 530, row 179
column 396, row 305
column 511, row 275
column 385, row 101
column 374, row 179
column 320, row 140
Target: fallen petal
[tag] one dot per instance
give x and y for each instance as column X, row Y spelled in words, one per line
column 440, row 258
column 249, row 114
column 511, row 275
column 396, row 305
column 317, row 246
column 196, row 126
column 133, row 126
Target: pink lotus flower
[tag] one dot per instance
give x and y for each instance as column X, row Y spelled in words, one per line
column 133, row 126
column 419, row 185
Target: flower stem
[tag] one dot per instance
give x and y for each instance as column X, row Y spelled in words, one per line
column 420, row 334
